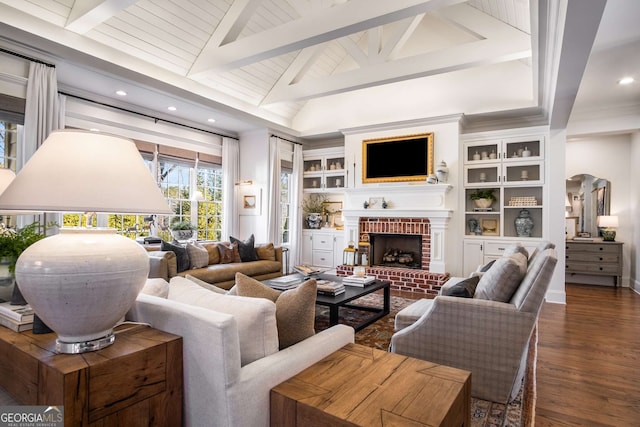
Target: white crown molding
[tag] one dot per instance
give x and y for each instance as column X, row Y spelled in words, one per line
column 451, row 118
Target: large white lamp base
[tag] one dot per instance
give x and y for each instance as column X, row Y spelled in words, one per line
column 81, row 283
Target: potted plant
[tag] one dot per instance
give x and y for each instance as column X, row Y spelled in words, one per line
column 182, row 230
column 313, row 208
column 483, row 198
column 12, row 244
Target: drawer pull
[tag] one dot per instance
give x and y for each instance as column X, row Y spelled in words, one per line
column 601, row 248
column 501, row 249
column 601, row 269
column 601, row 258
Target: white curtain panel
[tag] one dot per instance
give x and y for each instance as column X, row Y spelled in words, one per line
column 230, row 175
column 273, row 207
column 296, row 211
column 44, row 113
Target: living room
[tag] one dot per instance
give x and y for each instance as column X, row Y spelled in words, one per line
column 584, row 138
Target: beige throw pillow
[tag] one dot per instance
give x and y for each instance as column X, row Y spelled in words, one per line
column 198, row 255
column 501, row 281
column 214, row 254
column 157, row 287
column 295, row 308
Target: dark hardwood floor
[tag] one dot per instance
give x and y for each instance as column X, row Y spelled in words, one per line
column 588, row 370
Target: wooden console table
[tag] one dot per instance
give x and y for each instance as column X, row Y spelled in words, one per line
column 135, row 381
column 363, row 386
column 596, row 257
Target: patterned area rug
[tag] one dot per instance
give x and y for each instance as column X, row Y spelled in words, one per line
column 483, row 413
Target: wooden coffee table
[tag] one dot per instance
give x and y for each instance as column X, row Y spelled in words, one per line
column 363, row 386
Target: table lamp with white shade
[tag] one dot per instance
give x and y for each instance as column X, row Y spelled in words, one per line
column 608, row 225
column 82, row 281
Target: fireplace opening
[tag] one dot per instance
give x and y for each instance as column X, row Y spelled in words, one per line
column 396, row 250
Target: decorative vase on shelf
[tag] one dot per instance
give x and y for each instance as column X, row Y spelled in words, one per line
column 314, row 220
column 442, row 172
column 483, row 203
column 524, row 224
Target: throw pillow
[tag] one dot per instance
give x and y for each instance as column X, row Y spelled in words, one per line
column 228, row 253
column 295, row 308
column 516, row 248
column 198, row 255
column 266, row 252
column 246, row 249
column 501, row 281
column 255, row 317
column 464, row 289
column 214, row 254
column 487, row 266
column 182, row 256
column 158, row 287
column 206, row 285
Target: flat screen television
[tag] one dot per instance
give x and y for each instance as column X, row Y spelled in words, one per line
column 404, row 158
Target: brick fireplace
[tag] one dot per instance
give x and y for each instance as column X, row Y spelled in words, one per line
column 412, row 209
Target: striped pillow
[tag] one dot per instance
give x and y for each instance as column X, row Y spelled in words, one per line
column 198, row 255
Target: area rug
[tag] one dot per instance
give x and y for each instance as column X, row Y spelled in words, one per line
column 520, row 412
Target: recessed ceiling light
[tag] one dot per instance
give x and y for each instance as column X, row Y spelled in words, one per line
column 211, row 120
column 626, row 80
column 172, row 108
column 121, row 93
column 94, row 130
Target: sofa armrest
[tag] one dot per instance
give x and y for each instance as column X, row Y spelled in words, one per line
column 279, row 256
column 162, row 264
column 251, row 396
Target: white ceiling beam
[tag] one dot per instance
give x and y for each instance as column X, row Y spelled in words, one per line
column 88, row 14
column 510, row 45
column 233, row 22
column 327, row 24
column 353, row 50
column 402, row 31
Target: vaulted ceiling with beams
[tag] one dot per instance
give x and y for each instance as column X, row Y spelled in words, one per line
column 286, row 62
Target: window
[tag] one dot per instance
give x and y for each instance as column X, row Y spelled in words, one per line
column 8, row 145
column 285, row 204
column 209, row 211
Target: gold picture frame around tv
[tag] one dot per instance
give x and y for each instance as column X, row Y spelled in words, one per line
column 397, row 159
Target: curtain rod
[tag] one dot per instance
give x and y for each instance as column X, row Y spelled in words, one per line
column 156, row 119
column 288, row 140
column 28, row 58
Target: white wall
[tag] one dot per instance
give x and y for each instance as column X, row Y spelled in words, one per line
column 254, row 165
column 611, row 157
column 634, row 209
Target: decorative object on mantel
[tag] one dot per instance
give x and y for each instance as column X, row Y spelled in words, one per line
column 483, row 198
column 375, row 203
column 524, row 224
column 82, row 281
column 608, row 225
column 442, row 172
column 432, row 179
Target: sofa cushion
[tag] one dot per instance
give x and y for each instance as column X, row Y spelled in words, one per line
column 182, row 256
column 266, row 252
column 198, row 255
column 500, row 282
column 157, row 287
column 246, row 249
column 295, row 308
column 255, row 317
column 208, row 286
column 465, row 288
column 228, row 253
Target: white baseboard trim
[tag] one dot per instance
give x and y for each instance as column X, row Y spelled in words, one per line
column 556, row 297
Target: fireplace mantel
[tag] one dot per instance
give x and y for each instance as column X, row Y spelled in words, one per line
column 405, row 201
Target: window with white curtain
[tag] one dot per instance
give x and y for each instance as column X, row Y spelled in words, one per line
column 209, row 203
column 286, row 171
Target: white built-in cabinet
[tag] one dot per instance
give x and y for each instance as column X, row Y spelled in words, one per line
column 514, row 167
column 324, row 170
column 322, row 248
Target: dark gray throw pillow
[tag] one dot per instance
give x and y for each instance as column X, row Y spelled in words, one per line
column 246, row 249
column 463, row 289
column 487, row 266
column 182, row 256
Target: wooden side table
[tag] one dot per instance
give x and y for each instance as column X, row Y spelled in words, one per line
column 135, row 381
column 363, row 386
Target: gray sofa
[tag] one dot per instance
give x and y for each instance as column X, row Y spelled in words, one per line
column 163, row 264
column 488, row 337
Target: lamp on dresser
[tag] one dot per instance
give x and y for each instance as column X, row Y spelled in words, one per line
column 608, row 225
column 82, row 281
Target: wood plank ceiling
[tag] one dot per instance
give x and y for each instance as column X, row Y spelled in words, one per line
column 277, row 54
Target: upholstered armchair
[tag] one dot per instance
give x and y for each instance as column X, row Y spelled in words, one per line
column 488, row 338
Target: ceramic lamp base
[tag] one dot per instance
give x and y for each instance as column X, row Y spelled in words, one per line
column 81, row 283
column 608, row 235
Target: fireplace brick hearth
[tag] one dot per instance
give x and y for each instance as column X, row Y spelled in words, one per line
column 402, row 279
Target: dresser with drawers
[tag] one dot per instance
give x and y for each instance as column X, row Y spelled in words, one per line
column 594, row 257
